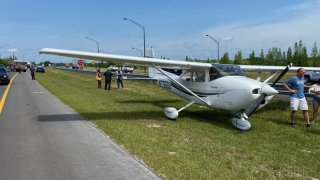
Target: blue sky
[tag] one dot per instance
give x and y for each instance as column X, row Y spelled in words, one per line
column 174, row 28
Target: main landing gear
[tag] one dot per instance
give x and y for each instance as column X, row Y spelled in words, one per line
column 173, row 113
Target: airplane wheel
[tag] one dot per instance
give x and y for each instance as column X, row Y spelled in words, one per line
column 171, row 113
column 241, row 123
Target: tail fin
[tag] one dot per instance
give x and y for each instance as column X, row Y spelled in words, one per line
column 150, row 53
column 153, row 72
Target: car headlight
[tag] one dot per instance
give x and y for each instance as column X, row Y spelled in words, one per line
column 5, row 76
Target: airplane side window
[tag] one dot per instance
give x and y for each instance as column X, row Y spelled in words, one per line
column 194, row 76
column 186, row 76
column 200, row 76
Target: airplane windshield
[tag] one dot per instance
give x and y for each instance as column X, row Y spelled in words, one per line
column 229, row 70
column 220, row 70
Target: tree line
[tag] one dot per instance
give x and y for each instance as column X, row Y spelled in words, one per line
column 275, row 56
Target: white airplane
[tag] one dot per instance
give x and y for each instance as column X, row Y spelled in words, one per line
column 215, row 86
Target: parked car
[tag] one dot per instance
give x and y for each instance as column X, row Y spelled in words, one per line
column 127, row 68
column 311, row 76
column 113, row 68
column 40, row 69
column 4, row 76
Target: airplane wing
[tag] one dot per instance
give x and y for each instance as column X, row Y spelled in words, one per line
column 126, row 59
column 274, row 68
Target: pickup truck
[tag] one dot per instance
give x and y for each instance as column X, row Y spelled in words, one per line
column 127, row 68
column 311, row 76
column 113, row 68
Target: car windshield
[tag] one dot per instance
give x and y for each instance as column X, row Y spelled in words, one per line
column 2, row 70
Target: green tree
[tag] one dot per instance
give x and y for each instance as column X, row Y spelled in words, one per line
column 225, row 59
column 252, row 58
column 314, row 54
column 269, row 57
column 46, row 63
column 262, row 58
column 238, row 58
column 296, row 54
column 300, row 56
column 289, row 55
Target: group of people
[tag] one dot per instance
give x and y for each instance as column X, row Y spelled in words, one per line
column 295, row 85
column 108, row 78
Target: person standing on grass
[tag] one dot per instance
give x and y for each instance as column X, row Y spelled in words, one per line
column 295, row 85
column 98, row 78
column 119, row 78
column 315, row 89
column 108, row 78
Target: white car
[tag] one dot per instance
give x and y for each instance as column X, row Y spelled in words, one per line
column 127, row 68
column 113, row 68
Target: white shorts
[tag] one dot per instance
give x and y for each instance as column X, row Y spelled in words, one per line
column 296, row 103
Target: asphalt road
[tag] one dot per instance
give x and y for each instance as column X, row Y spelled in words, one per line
column 42, row 138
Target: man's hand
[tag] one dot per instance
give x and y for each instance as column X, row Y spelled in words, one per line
column 293, row 91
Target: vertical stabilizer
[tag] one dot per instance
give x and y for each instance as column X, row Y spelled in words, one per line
column 150, row 53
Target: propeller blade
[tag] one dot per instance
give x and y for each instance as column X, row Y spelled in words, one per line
column 282, row 74
column 268, row 79
column 253, row 107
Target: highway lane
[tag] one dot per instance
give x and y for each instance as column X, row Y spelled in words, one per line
column 42, row 138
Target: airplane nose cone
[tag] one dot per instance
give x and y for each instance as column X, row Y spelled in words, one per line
column 268, row 90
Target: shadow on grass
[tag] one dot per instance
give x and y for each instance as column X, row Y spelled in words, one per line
column 315, row 131
column 161, row 103
column 211, row 117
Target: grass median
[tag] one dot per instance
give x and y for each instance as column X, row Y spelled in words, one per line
column 201, row 143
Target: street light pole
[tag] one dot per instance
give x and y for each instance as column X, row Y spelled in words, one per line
column 215, row 42
column 138, row 50
column 97, row 46
column 94, row 42
column 144, row 34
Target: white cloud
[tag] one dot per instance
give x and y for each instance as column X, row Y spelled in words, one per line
column 13, row 50
column 281, row 34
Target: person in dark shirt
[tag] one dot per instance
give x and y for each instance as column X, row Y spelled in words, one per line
column 108, row 78
column 33, row 76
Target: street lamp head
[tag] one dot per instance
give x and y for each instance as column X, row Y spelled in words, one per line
column 125, row 18
column 207, row 34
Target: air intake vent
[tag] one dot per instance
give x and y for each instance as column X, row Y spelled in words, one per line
column 255, row 91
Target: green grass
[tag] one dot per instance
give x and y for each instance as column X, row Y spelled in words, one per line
column 265, row 75
column 202, row 143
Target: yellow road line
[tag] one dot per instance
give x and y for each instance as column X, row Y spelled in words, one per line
column 4, row 97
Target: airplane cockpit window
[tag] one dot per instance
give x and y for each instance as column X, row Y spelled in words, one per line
column 193, row 76
column 229, row 69
column 186, row 76
column 214, row 73
column 220, row 70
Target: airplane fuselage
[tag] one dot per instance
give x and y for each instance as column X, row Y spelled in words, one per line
column 230, row 93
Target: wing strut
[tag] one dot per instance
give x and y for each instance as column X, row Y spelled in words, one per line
column 181, row 85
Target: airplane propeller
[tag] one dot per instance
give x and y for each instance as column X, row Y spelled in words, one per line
column 282, row 74
column 266, row 90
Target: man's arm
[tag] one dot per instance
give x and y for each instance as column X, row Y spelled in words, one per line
column 288, row 88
